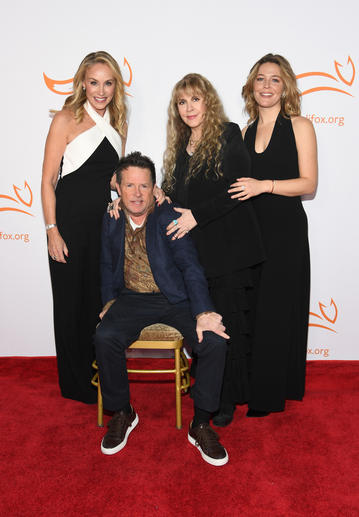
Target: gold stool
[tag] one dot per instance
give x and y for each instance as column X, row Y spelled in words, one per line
column 156, row 337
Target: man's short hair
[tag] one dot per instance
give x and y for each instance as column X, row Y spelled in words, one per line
column 135, row 159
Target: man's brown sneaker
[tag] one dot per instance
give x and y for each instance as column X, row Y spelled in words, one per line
column 119, row 428
column 207, row 441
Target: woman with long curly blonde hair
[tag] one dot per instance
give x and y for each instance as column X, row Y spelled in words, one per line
column 178, row 132
column 85, row 141
column 204, row 155
column 283, row 151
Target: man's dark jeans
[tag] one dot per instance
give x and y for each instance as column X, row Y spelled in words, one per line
column 122, row 325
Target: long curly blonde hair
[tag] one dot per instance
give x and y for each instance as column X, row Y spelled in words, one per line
column 117, row 106
column 208, row 151
column 290, row 101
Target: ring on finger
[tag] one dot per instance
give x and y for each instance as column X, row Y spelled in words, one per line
column 175, row 222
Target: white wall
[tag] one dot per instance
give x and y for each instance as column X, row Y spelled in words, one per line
column 163, row 40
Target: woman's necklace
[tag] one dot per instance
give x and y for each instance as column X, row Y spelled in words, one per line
column 192, row 144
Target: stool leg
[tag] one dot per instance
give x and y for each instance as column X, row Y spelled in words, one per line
column 178, row 389
column 99, row 405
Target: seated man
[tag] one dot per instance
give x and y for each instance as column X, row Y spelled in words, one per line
column 149, row 277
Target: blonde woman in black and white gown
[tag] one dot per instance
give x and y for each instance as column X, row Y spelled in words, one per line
column 85, row 141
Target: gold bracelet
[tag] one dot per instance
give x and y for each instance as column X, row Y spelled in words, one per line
column 273, row 185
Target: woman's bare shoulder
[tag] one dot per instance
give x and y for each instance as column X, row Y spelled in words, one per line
column 301, row 123
column 304, row 135
column 63, row 123
column 302, row 127
column 64, row 117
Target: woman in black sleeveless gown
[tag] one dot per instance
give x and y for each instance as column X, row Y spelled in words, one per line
column 204, row 154
column 87, row 138
column 282, row 147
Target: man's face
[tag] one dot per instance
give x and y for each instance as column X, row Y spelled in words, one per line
column 136, row 191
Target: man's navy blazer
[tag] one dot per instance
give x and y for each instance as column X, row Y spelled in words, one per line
column 174, row 263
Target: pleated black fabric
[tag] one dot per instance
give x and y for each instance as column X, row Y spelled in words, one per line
column 230, row 296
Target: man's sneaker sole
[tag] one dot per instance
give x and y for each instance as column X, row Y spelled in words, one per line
column 208, row 459
column 121, row 445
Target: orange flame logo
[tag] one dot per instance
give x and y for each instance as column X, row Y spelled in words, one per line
column 338, row 66
column 19, row 199
column 324, row 316
column 53, row 84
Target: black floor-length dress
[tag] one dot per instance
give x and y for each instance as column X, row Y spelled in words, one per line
column 281, row 324
column 228, row 242
column 81, row 199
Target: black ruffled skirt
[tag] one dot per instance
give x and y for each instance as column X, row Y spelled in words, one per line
column 232, row 297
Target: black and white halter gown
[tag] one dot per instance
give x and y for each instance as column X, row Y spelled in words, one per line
column 82, row 194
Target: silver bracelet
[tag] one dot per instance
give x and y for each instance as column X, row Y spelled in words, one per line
column 49, row 226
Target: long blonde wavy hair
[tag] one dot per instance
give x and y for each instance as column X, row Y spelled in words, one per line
column 290, row 101
column 117, row 106
column 208, row 151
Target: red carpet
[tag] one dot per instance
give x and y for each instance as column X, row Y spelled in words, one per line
column 303, row 462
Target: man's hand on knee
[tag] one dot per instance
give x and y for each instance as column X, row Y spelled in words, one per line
column 210, row 321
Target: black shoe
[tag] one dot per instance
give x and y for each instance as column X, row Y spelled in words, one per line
column 257, row 413
column 119, row 428
column 224, row 417
column 207, row 441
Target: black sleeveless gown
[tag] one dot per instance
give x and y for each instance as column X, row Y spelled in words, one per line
column 282, row 310
column 81, row 200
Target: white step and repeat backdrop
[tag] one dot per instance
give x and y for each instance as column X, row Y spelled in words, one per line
column 156, row 43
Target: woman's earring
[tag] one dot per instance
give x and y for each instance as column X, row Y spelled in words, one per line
column 84, row 89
